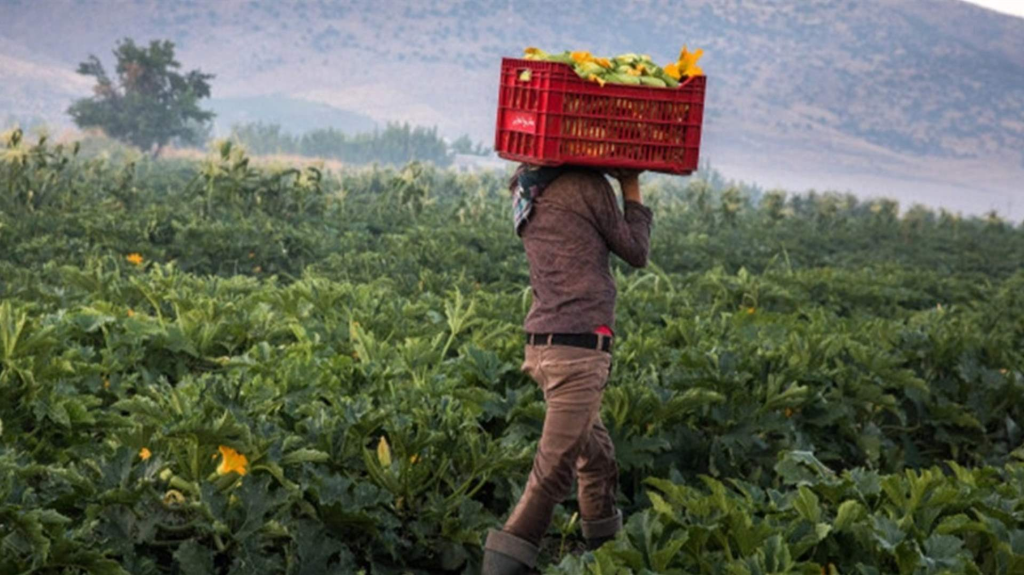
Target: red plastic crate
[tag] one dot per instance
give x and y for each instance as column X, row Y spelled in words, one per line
column 556, row 118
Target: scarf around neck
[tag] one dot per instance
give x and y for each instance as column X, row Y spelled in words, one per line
column 527, row 184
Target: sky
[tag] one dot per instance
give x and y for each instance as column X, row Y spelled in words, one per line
column 1015, row 7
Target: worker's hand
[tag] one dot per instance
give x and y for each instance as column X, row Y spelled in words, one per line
column 629, row 180
column 623, row 175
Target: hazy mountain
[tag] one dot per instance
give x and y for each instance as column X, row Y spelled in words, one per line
column 297, row 116
column 918, row 99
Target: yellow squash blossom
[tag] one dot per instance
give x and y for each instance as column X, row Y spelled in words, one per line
column 688, row 62
column 581, row 57
column 596, row 78
column 145, row 454
column 134, row 258
column 604, row 62
column 673, row 70
column 232, row 461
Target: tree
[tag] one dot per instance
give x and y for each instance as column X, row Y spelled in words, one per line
column 150, row 103
column 463, row 145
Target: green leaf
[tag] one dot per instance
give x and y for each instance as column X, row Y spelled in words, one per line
column 316, row 548
column 27, row 537
column 777, row 558
column 887, row 533
column 58, row 414
column 867, row 482
column 822, row 530
column 661, row 559
column 806, row 504
column 192, row 558
column 799, row 467
column 304, row 455
column 849, row 512
column 257, row 501
column 790, row 397
column 941, row 551
column 961, row 524
column 660, row 506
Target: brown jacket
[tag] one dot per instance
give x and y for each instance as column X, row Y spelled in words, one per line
column 575, row 223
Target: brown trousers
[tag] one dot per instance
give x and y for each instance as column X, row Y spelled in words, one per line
column 574, row 444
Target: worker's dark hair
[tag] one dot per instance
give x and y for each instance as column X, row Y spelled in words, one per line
column 513, row 180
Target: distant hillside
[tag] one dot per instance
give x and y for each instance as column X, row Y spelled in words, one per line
column 922, row 99
column 297, row 116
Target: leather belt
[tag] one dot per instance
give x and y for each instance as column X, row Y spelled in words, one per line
column 592, row 341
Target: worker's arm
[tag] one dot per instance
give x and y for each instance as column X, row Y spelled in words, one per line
column 627, row 234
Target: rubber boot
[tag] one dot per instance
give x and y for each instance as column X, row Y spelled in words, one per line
column 508, row 554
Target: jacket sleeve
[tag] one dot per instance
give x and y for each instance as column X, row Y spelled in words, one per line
column 628, row 235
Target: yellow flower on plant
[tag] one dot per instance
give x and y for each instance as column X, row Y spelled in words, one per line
column 751, row 310
column 134, row 258
column 145, row 454
column 130, row 312
column 384, row 452
column 232, row 461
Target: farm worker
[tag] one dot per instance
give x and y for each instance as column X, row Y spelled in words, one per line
column 569, row 222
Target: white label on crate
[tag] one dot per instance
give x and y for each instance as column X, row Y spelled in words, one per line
column 521, row 122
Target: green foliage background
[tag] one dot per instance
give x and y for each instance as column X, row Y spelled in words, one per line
column 149, row 103
column 397, row 144
column 801, row 384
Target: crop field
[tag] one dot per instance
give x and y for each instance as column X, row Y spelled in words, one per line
column 213, row 367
